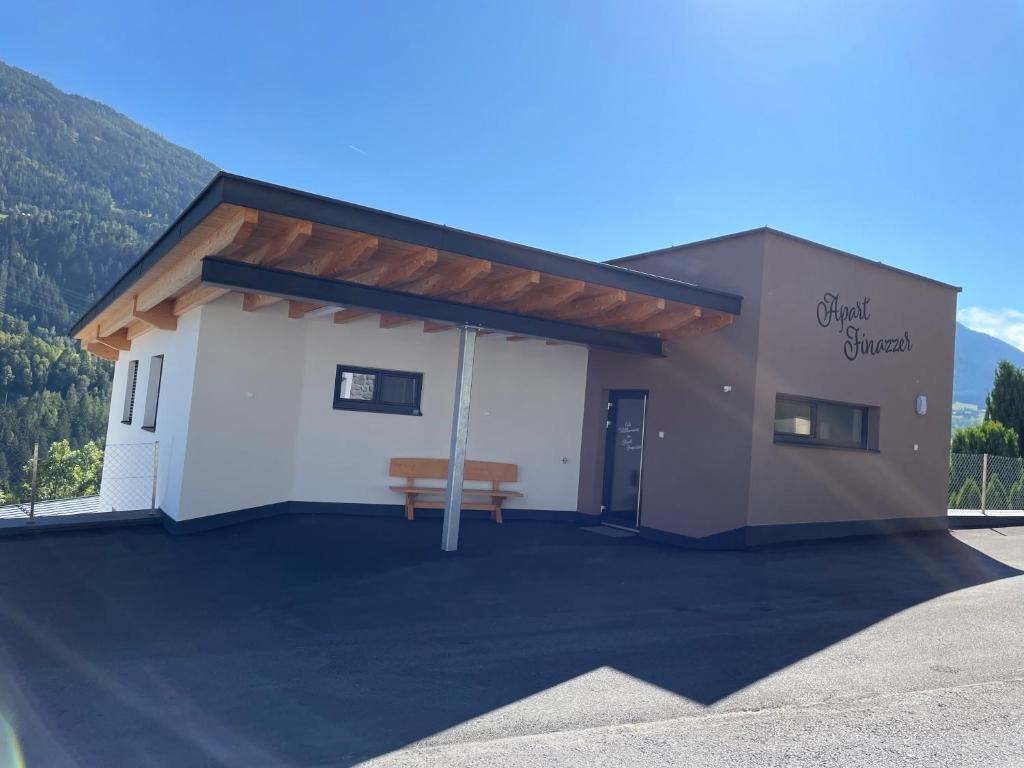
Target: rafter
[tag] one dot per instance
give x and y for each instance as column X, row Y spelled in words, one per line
column 545, row 297
column 252, row 302
column 589, row 305
column 161, row 316
column 343, row 316
column 500, row 290
column 299, row 309
column 393, row 321
column 699, row 327
column 118, row 340
column 451, row 279
column 101, row 350
column 280, row 247
column 630, row 313
column 429, row 326
column 669, row 320
column 342, row 258
column 235, row 231
column 195, row 296
column 406, row 268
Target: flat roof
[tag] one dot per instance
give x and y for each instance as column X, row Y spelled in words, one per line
column 787, row 235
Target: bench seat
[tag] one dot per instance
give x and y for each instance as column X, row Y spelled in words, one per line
column 490, row 499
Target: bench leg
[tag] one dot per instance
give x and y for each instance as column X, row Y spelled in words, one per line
column 496, row 512
column 410, row 506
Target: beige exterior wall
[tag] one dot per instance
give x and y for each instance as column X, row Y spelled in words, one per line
column 696, row 477
column 718, row 468
column 907, row 476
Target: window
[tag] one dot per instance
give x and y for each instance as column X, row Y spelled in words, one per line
column 156, row 369
column 373, row 389
column 806, row 421
column 129, row 392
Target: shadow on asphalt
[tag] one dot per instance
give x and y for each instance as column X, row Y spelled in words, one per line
column 329, row 640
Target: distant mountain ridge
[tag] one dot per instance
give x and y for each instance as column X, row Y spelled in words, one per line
column 977, row 355
column 83, row 190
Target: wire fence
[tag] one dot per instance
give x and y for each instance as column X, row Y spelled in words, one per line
column 984, row 483
column 64, row 481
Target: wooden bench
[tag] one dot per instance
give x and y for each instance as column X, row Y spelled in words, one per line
column 490, row 499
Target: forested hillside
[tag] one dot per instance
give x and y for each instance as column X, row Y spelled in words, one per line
column 83, row 191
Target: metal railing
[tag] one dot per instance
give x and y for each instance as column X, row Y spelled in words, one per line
column 65, row 481
column 986, row 483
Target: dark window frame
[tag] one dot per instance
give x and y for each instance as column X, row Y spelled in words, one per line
column 129, row 393
column 868, row 414
column 376, row 405
column 149, row 424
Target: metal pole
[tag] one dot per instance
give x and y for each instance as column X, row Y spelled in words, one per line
column 156, row 464
column 984, row 482
column 35, row 475
column 460, row 431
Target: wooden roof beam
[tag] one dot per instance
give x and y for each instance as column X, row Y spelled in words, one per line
column 253, row 302
column 348, row 315
column 589, row 306
column 161, row 316
column 669, row 320
column 299, row 309
column 501, row 290
column 233, row 232
column 393, row 321
column 631, row 312
column 547, row 297
column 117, row 340
column 342, row 258
column 406, row 268
column 450, row 279
column 699, row 327
column 429, row 326
column 282, row 246
column 101, row 350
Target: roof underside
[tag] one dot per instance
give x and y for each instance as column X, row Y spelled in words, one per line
column 274, row 244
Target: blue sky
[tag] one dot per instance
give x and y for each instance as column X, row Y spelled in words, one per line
column 893, row 130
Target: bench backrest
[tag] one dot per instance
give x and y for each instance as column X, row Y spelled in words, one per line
column 437, row 469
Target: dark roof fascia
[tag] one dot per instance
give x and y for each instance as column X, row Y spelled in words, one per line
column 240, row 276
column 283, row 201
column 788, row 236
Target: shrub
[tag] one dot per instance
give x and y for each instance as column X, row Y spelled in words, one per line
column 1017, row 495
column 969, row 496
column 988, row 437
column 995, row 493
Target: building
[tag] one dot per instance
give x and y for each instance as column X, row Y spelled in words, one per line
column 753, row 388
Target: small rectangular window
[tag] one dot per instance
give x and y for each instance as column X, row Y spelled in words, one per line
column 375, row 389
column 807, row 421
column 156, row 369
column 129, row 392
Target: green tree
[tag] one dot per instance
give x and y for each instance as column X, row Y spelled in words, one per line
column 1005, row 403
column 988, row 437
column 65, row 472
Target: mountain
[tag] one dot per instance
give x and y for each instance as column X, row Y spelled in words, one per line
column 83, row 190
column 977, row 355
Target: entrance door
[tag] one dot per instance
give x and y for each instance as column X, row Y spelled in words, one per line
column 624, row 457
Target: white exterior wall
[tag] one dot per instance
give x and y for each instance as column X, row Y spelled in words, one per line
column 527, row 409
column 129, row 447
column 246, row 416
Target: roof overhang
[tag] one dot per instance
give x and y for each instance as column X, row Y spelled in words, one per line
column 273, row 243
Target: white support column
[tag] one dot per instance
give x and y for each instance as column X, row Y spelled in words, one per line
column 460, row 431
